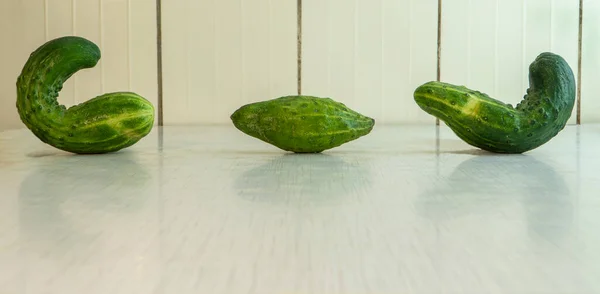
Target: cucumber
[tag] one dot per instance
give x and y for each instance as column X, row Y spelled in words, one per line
column 106, row 123
column 489, row 124
column 302, row 124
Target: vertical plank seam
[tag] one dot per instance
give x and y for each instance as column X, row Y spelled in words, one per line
column 299, row 45
column 243, row 56
column 469, row 49
column 101, row 17
column 129, row 66
column 159, row 71
column 187, row 67
column 74, row 17
column 129, row 61
column 216, row 51
column 214, row 40
column 579, row 61
column 524, row 45
column 270, row 22
column 496, row 48
column 328, row 55
column 439, row 48
column 551, row 25
column 46, row 20
column 355, row 52
column 270, row 50
column 74, row 32
column 411, row 36
column 382, row 83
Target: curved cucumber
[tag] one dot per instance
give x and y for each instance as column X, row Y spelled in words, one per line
column 492, row 125
column 107, row 123
column 302, row 124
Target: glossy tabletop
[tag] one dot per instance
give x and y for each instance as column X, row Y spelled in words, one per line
column 406, row 209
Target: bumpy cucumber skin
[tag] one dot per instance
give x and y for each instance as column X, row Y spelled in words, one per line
column 302, row 124
column 492, row 125
column 106, row 123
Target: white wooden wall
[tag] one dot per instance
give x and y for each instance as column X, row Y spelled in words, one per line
column 369, row 54
column 125, row 31
column 590, row 66
column 489, row 44
column 219, row 55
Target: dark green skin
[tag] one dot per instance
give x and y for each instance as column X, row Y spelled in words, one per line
column 492, row 125
column 106, row 123
column 302, row 124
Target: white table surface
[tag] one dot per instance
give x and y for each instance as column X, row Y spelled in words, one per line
column 211, row 210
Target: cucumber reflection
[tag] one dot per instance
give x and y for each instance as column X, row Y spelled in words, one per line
column 68, row 197
column 304, row 178
column 484, row 184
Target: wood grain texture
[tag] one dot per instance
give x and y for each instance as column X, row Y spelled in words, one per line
column 219, row 55
column 590, row 59
column 125, row 31
column 488, row 44
column 370, row 54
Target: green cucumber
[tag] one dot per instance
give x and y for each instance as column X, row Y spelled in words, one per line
column 106, row 123
column 302, row 124
column 492, row 125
